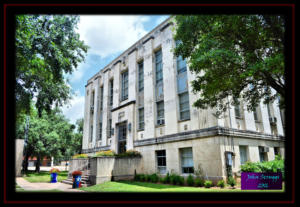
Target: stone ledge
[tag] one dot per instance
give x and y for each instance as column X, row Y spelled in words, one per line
column 207, row 132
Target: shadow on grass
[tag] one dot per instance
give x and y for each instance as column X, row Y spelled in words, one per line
column 150, row 185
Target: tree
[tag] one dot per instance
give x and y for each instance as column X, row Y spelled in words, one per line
column 233, row 55
column 47, row 48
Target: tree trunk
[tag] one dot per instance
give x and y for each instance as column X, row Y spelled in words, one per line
column 37, row 164
column 25, row 162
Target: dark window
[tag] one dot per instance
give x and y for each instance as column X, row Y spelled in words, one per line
column 111, row 93
column 243, row 154
column 100, row 131
column 91, row 135
column 237, row 109
column 109, row 127
column 101, row 98
column 255, row 114
column 141, row 76
column 124, row 94
column 161, row 161
column 276, row 150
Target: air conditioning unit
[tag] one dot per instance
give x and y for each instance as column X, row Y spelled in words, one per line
column 160, row 121
column 272, row 120
column 92, row 109
column 263, row 149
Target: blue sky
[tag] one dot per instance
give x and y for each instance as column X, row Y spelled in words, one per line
column 108, row 36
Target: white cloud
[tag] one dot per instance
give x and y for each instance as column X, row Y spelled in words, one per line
column 74, row 110
column 107, row 35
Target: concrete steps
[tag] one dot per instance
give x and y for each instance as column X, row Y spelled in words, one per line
column 84, row 181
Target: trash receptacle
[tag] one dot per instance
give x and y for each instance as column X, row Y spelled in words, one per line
column 53, row 178
column 76, row 179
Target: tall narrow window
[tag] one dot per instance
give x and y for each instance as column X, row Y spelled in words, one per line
column 158, row 66
column 237, row 109
column 243, row 154
column 124, row 94
column 141, row 76
column 187, row 163
column 141, row 118
column 255, row 114
column 100, row 130
column 182, row 87
column 101, row 98
column 91, row 135
column 160, row 112
column 184, row 106
column 122, row 138
column 111, row 99
column 161, row 161
column 93, row 98
column 109, row 127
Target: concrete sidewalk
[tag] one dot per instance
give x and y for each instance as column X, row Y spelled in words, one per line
column 45, row 186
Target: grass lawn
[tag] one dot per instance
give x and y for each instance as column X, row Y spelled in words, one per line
column 133, row 186
column 19, row 189
column 44, row 176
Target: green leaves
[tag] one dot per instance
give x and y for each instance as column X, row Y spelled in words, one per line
column 231, row 52
column 47, row 46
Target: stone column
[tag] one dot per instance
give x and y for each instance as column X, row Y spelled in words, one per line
column 265, row 118
column 149, row 100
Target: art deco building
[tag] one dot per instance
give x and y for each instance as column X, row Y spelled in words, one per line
column 143, row 100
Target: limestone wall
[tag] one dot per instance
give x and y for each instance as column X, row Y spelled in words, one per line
column 78, row 164
column 105, row 169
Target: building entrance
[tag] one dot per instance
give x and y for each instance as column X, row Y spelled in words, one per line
column 122, row 132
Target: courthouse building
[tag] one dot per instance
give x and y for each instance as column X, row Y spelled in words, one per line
column 143, row 100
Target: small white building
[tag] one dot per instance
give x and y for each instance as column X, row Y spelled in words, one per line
column 143, row 100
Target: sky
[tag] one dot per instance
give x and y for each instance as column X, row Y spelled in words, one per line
column 107, row 36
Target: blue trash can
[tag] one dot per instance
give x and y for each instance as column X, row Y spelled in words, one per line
column 76, row 181
column 53, row 177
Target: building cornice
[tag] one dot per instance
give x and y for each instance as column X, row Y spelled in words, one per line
column 207, row 132
column 126, row 104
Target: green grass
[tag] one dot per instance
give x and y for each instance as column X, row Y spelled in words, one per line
column 44, row 176
column 133, row 186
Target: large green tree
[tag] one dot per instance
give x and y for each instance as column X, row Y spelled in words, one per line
column 233, row 55
column 50, row 135
column 47, row 48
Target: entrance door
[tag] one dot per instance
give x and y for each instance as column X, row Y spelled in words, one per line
column 122, row 138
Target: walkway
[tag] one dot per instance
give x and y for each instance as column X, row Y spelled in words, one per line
column 45, row 186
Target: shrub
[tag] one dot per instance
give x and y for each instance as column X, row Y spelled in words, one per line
column 154, row 178
column 130, row 153
column 190, row 180
column 274, row 166
column 199, row 182
column 208, row 184
column 221, row 184
column 106, row 153
column 137, row 177
column 231, row 181
column 167, row 178
column 142, row 177
column 173, row 178
column 147, row 178
column 180, row 180
column 162, row 180
column 80, row 156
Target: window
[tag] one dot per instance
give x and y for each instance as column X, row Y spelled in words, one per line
column 141, row 76
column 109, row 127
column 237, row 109
column 276, row 150
column 158, row 66
column 122, row 138
column 161, row 161
column 263, row 153
column 141, row 118
column 100, row 131
column 124, row 94
column 255, row 114
column 184, row 106
column 93, row 98
column 111, row 92
column 181, row 65
column 160, row 112
column 91, row 135
column 243, row 154
column 101, row 98
column 187, row 163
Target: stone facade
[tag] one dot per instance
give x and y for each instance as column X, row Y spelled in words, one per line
column 200, row 139
column 19, row 156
